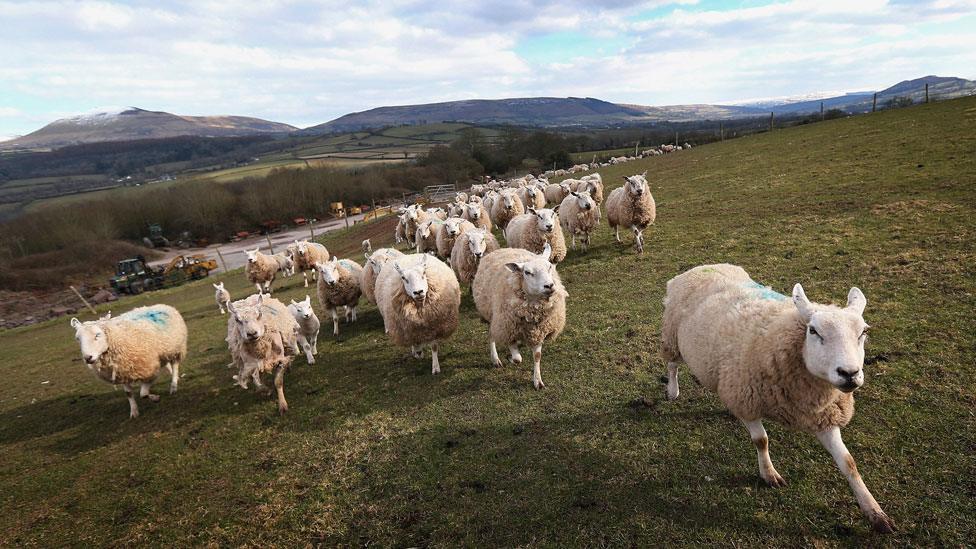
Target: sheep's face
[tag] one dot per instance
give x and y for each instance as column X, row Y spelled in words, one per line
column 92, row 340
column 252, row 255
column 584, row 201
column 412, row 214
column 329, row 271
column 219, row 288
column 566, row 188
column 636, row 185
column 474, row 211
column 250, row 324
column 301, row 248
column 545, row 219
column 477, row 243
column 537, row 274
column 508, row 200
column 833, row 349
column 424, row 230
column 452, row 227
column 414, row 279
column 303, row 309
column 474, row 199
column 530, row 192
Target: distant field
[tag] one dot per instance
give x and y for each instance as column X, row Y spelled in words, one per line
column 587, row 156
column 375, row 451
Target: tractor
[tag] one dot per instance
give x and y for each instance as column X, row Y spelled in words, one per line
column 133, row 276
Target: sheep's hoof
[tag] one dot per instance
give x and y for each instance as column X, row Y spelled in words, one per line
column 497, row 363
column 172, row 390
column 515, row 361
column 672, row 395
column 774, row 480
column 882, row 523
column 311, row 361
column 153, row 398
column 538, row 384
column 418, row 354
column 282, row 408
column 133, row 415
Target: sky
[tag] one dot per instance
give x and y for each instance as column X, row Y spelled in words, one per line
column 307, row 62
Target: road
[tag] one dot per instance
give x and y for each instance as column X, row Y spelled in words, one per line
column 233, row 252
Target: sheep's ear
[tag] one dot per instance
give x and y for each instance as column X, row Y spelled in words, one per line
column 556, row 208
column 532, row 211
column 644, row 174
column 803, row 304
column 75, row 323
column 293, row 302
column 856, row 300
column 308, row 299
column 367, row 255
column 625, row 178
column 335, row 260
column 546, row 252
column 574, row 193
column 514, row 267
column 398, row 268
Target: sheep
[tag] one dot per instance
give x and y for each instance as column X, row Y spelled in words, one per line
column 461, row 197
column 374, row 264
column 286, row 265
column 307, row 254
column 768, row 357
column 262, row 337
column 419, row 299
column 455, row 210
column 475, row 199
column 260, row 269
column 488, row 202
column 522, row 298
column 399, row 233
column 308, row 324
column 578, row 214
column 131, row 348
column 504, row 207
column 437, row 213
column 448, row 234
column 468, row 250
column 556, row 192
column 339, row 287
column 531, row 197
column 426, row 237
column 477, row 215
column 593, row 183
column 413, row 217
column 221, row 296
column 534, row 229
column 366, row 246
column 631, row 206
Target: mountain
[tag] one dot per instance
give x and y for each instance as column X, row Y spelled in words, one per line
column 131, row 123
column 940, row 88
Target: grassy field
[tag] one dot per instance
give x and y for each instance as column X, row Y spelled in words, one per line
column 375, row 450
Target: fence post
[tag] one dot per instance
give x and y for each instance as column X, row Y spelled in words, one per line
column 874, row 102
column 270, row 247
column 83, row 300
column 770, row 121
column 821, row 111
column 221, row 256
column 926, row 93
column 721, row 131
column 311, row 229
column 675, row 138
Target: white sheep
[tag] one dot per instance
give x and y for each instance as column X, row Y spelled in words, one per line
column 426, row 237
column 592, row 183
column 339, row 287
column 308, row 326
column 769, row 357
column 307, row 254
column 413, row 217
column 286, row 265
column 366, row 246
column 556, row 192
column 374, row 264
column 452, row 228
column 260, row 269
column 531, row 197
column 533, row 230
column 631, row 206
column 262, row 337
column 578, row 215
column 521, row 297
column 419, row 299
column 131, row 348
column 469, row 249
column 221, row 296
column 477, row 215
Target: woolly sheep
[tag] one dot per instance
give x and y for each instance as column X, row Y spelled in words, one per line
column 593, row 183
column 286, row 265
column 308, row 327
column 437, row 213
column 504, row 207
column 477, row 215
column 374, row 264
column 399, row 233
column 221, row 296
column 522, row 298
column 262, row 337
column 578, row 215
column 556, row 192
column 413, row 217
column 448, row 234
column 426, row 237
column 769, row 357
column 469, row 249
column 531, row 197
column 260, row 269
column 631, row 206
column 339, row 287
column 534, row 229
column 366, row 246
column 419, row 298
column 131, row 348
column 307, row 254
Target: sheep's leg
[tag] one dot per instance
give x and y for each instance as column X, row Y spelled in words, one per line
column 279, row 383
column 537, row 367
column 267, row 287
column 257, row 286
column 766, row 469
column 638, row 239
column 834, row 444
column 417, row 351
column 515, row 357
column 616, row 233
column 175, row 380
column 348, row 314
column 335, row 321
column 493, row 349
column 133, row 407
column 144, row 392
column 673, row 381
column 355, row 313
column 305, row 276
column 435, row 364
column 307, row 347
column 574, row 240
column 315, row 343
column 221, row 307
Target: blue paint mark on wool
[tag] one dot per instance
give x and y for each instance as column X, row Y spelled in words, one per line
column 764, row 292
column 156, row 317
column 346, row 263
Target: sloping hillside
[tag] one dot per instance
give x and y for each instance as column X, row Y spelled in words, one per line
column 375, row 450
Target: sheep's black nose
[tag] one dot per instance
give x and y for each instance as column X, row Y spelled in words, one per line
column 844, row 374
column 418, row 292
column 89, row 359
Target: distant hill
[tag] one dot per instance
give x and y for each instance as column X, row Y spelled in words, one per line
column 131, row 123
column 940, row 88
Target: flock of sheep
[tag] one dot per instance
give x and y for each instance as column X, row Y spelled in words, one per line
column 765, row 355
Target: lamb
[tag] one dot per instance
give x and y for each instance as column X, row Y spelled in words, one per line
column 593, row 183
column 796, row 362
column 286, row 265
column 339, row 287
column 556, row 192
column 631, row 206
column 461, row 197
column 308, row 327
column 419, row 299
column 426, row 237
column 522, row 298
column 366, row 246
column 469, row 249
column 534, row 229
column 504, row 207
column 374, row 264
column 400, row 233
column 262, row 337
column 531, row 197
column 578, row 214
column 413, row 217
column 222, row 296
column 131, row 348
column 307, row 254
column 477, row 215
column 260, row 270
column 448, row 234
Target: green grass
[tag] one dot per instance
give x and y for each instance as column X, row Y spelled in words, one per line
column 375, row 450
